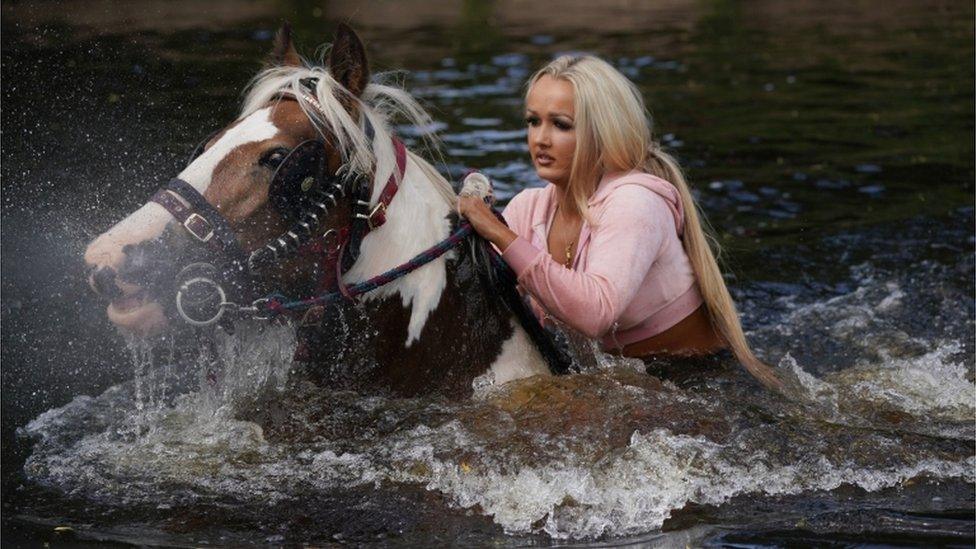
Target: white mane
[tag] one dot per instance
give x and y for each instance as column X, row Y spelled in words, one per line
column 380, row 104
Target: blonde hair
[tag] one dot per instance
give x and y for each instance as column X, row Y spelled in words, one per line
column 614, row 133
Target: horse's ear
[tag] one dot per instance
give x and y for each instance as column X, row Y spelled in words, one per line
column 347, row 60
column 283, row 52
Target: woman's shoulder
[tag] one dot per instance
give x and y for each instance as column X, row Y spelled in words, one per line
column 638, row 195
column 528, row 201
column 634, row 184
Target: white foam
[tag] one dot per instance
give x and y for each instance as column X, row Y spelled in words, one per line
column 932, row 384
column 635, row 490
column 490, row 455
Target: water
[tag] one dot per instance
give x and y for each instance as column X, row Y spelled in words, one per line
column 830, row 146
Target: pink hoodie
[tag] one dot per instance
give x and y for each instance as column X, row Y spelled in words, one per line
column 631, row 278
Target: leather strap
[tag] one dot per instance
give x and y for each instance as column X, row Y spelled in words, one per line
column 377, row 217
column 200, row 219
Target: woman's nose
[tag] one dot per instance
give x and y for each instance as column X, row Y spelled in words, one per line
column 539, row 136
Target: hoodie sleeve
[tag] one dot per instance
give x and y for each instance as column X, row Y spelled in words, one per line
column 516, row 212
column 623, row 245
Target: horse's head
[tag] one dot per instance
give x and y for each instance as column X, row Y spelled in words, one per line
column 288, row 167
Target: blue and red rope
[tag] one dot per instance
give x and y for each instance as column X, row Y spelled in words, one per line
column 275, row 305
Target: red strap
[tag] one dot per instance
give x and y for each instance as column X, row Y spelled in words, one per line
column 391, row 185
column 331, row 262
column 378, row 216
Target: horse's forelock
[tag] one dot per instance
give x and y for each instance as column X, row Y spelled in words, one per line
column 380, row 104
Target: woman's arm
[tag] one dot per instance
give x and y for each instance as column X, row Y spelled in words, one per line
column 623, row 246
column 485, row 223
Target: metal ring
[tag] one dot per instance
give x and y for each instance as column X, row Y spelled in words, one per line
column 333, row 235
column 220, row 308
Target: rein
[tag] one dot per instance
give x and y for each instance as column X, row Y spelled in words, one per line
column 275, row 304
column 272, row 305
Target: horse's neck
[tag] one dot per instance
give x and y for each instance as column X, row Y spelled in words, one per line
column 416, row 220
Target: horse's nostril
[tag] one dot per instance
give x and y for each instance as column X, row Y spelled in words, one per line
column 103, row 280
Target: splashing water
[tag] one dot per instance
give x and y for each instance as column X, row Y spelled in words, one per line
column 607, row 452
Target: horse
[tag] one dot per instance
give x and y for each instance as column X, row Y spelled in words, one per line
column 309, row 191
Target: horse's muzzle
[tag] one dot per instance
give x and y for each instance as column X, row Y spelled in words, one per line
column 102, row 280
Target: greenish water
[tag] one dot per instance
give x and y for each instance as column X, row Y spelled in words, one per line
column 830, row 144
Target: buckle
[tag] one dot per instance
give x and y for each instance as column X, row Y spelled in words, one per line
column 380, row 212
column 198, row 226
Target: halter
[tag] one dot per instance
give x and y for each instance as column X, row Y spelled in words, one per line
column 339, row 247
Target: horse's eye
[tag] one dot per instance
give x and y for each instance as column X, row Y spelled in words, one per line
column 273, row 158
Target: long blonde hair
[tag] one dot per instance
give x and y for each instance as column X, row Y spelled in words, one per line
column 614, row 133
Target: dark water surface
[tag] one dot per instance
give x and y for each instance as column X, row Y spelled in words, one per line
column 830, row 144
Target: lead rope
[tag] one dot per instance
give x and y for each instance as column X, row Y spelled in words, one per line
column 274, row 305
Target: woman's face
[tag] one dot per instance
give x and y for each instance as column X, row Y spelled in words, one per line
column 550, row 116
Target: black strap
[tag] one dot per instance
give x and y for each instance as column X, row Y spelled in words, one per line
column 358, row 227
column 222, row 229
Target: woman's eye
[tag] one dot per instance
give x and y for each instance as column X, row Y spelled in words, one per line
column 531, row 120
column 273, row 158
column 563, row 125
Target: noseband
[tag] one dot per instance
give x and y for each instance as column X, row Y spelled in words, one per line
column 302, row 191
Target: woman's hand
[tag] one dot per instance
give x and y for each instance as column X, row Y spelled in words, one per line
column 484, row 222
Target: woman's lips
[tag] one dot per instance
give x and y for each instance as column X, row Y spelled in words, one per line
column 544, row 159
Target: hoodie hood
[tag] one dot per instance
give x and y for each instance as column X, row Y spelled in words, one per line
column 655, row 184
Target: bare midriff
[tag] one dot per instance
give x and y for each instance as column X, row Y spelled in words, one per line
column 692, row 336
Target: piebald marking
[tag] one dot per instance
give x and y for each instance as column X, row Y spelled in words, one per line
column 519, row 358
column 149, row 221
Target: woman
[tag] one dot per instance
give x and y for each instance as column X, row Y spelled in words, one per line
column 628, row 261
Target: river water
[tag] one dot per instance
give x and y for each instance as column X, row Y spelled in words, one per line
column 830, row 144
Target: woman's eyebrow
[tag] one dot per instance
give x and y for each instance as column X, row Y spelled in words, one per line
column 556, row 113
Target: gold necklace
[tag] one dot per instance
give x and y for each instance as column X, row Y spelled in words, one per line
column 569, row 249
